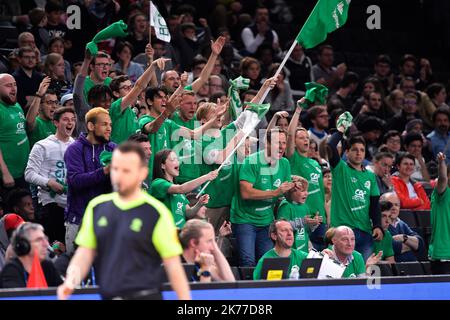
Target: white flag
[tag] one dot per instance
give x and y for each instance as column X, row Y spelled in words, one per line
column 160, row 25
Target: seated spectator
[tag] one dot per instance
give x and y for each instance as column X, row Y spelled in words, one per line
column 27, row 241
column 414, row 145
column 299, row 67
column 383, row 72
column 280, row 97
column 281, row 233
column 56, row 45
column 343, row 251
column 8, row 224
column 324, row 73
column 393, row 142
column 124, row 64
column 260, row 32
column 369, row 85
column 374, row 107
column 409, row 112
column 394, row 101
column 382, row 166
column 440, row 136
column 411, row 194
column 200, row 247
column 19, row 201
column 407, row 68
column 385, row 245
column 405, row 240
column 438, row 94
column 297, row 212
column 251, row 69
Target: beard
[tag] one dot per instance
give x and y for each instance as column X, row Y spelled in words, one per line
column 100, row 139
column 7, row 99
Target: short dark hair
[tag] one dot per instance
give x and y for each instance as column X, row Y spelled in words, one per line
column 390, row 134
column 160, row 159
column 402, row 156
column 55, row 39
column 315, row 111
column 138, row 137
column 273, row 227
column 402, row 82
column 151, row 92
column 60, row 111
column 100, row 54
column 381, row 155
column 349, row 78
column 411, row 137
column 122, row 45
column 97, row 92
column 133, row 147
column 433, row 89
column 407, row 57
column 115, row 83
column 274, row 130
column 15, row 196
column 440, row 110
column 53, row 5
column 353, row 140
column 324, row 47
column 383, row 58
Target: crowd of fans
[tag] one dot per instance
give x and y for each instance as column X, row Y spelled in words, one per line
column 63, row 110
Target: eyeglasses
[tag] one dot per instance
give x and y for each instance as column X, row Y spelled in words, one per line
column 396, row 141
column 103, row 65
column 126, row 87
column 52, row 102
column 29, row 57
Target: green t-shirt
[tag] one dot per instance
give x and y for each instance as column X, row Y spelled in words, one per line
column 311, row 171
column 176, row 202
column 159, row 140
column 42, row 129
column 221, row 189
column 297, row 257
column 356, row 267
column 124, row 123
column 190, row 124
column 262, row 176
column 89, row 83
column 295, row 214
column 14, row 142
column 350, row 201
column 384, row 245
column 189, row 154
column 440, row 225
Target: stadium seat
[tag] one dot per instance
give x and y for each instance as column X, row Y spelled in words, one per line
column 408, row 269
column 8, row 36
column 236, row 273
column 423, row 218
column 247, row 273
column 426, row 267
column 409, row 217
column 386, row 270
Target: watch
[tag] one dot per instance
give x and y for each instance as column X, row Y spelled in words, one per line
column 405, row 238
column 203, row 273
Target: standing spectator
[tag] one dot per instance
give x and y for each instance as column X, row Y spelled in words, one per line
column 124, row 64
column 47, row 170
column 138, row 33
column 405, row 240
column 27, row 241
column 260, row 32
column 439, row 250
column 414, row 145
column 299, row 66
column 55, row 25
column 264, row 177
column 355, row 193
column 38, row 20
column 14, row 144
column 382, row 166
column 40, row 114
column 86, row 177
column 301, row 165
column 170, row 80
column 324, row 72
column 200, row 247
column 411, row 194
column 318, row 115
column 99, row 66
column 282, row 234
column 440, row 136
column 165, row 169
column 27, row 78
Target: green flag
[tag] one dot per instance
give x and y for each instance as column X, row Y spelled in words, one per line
column 327, row 16
column 237, row 84
column 251, row 116
column 117, row 29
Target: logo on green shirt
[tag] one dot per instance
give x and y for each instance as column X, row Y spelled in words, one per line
column 102, row 222
column 136, row 225
column 359, row 195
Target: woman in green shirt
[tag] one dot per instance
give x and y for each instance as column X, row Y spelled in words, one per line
column 166, row 168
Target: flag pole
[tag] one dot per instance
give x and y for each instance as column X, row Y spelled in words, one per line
column 150, row 22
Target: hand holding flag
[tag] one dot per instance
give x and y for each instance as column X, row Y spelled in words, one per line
column 117, row 29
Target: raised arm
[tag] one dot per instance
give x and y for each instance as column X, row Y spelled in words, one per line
column 216, row 48
column 191, row 185
column 442, row 174
column 268, row 84
column 33, row 111
column 171, row 106
column 292, row 129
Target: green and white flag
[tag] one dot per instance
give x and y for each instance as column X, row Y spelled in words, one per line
column 326, row 17
column 160, row 25
column 250, row 117
column 237, row 84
